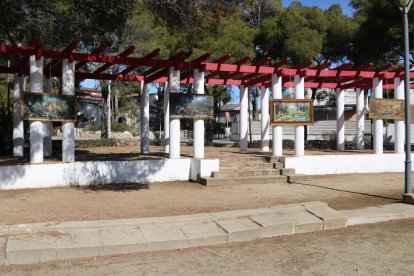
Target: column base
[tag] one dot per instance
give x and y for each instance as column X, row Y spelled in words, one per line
column 408, row 198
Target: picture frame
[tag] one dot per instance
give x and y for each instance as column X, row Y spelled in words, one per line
column 48, row 107
column 386, row 109
column 291, row 112
column 191, row 106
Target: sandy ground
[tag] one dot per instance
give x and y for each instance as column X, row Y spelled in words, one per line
column 133, row 153
column 349, row 191
column 380, row 249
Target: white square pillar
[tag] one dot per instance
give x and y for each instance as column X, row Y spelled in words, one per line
column 399, row 127
column 175, row 137
column 265, row 120
column 47, row 126
column 145, row 117
column 36, row 127
column 360, row 119
column 277, row 130
column 299, row 130
column 68, row 129
column 244, row 118
column 198, row 128
column 378, row 124
column 18, row 129
column 340, row 120
column 167, row 118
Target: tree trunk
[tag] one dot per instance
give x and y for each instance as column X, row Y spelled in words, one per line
column 104, row 114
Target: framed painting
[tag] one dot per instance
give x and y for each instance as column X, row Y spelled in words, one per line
column 46, row 107
column 191, row 106
column 291, row 112
column 386, row 109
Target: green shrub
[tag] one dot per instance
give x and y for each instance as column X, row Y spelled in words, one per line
column 116, row 127
column 92, row 128
column 104, row 142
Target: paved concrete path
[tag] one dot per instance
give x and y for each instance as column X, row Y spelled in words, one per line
column 34, row 243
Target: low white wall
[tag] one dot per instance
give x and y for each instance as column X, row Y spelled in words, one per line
column 203, row 167
column 353, row 163
column 94, row 172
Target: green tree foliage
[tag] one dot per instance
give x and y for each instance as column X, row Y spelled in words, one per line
column 307, row 33
column 379, row 38
column 59, row 22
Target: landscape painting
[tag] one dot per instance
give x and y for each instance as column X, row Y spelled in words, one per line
column 191, row 106
column 42, row 107
column 386, row 109
column 291, row 112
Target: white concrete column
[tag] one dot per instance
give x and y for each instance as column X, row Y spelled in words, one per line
column 175, row 150
column 109, row 118
column 167, row 118
column 18, row 130
column 175, row 137
column 360, row 119
column 244, row 118
column 399, row 130
column 265, row 120
column 340, row 120
column 299, row 130
column 145, row 117
column 68, row 129
column 47, row 126
column 277, row 130
column 36, row 127
column 378, row 124
column 198, row 128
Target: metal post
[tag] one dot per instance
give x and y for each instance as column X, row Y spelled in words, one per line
column 407, row 106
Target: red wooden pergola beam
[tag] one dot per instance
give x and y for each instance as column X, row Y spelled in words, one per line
column 27, row 51
column 239, row 62
column 218, row 71
column 356, row 84
column 319, row 69
column 219, row 61
column 97, row 51
column 151, row 55
column 161, row 73
column 363, row 67
column 195, row 63
column 56, row 66
column 345, row 66
column 258, row 63
column 304, row 65
column 177, row 56
column 125, row 53
column 82, row 76
column 223, row 59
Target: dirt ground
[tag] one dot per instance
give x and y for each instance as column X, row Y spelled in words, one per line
column 133, row 153
column 349, row 191
column 377, row 249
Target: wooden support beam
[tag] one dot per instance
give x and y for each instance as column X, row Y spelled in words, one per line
column 151, row 55
column 125, row 53
column 97, row 51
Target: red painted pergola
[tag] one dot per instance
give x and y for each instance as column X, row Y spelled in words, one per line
column 218, row 72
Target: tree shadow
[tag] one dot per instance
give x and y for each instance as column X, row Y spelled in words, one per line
column 351, row 192
column 113, row 187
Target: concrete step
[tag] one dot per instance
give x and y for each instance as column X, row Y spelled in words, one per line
column 243, row 180
column 245, row 173
column 278, row 165
column 287, row 171
column 235, row 167
column 42, row 242
column 295, row 178
column 241, row 160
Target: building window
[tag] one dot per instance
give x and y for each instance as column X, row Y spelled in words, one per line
column 92, row 121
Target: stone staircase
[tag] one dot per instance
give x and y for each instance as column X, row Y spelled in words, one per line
column 251, row 170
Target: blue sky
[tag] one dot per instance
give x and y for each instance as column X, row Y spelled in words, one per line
column 324, row 4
